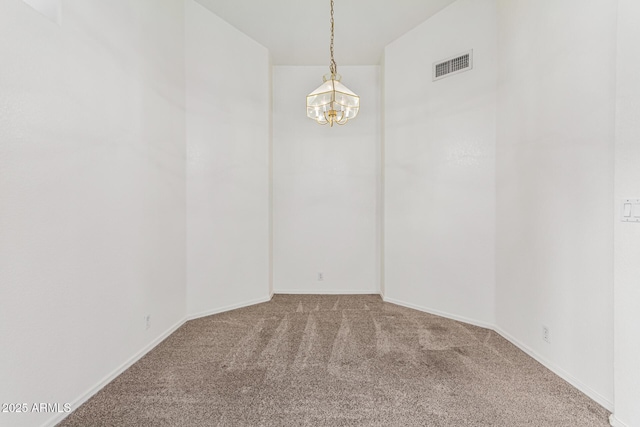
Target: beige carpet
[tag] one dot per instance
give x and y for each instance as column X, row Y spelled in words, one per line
column 336, row 361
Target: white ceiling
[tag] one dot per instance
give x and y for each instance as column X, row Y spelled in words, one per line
column 296, row 32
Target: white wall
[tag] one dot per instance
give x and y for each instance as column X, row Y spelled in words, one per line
column 627, row 235
column 94, row 187
column 271, row 291
column 228, row 165
column 381, row 177
column 439, row 166
column 556, row 91
column 92, row 190
column 325, row 190
column 49, row 8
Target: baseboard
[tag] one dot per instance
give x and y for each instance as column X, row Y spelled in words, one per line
column 324, row 292
column 229, row 307
column 126, row 365
column 110, row 377
column 440, row 313
column 594, row 395
column 597, row 397
column 616, row 422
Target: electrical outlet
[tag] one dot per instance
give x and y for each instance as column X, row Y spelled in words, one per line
column 320, row 276
column 147, row 320
column 546, row 336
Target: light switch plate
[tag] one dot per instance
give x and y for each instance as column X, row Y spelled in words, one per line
column 630, row 210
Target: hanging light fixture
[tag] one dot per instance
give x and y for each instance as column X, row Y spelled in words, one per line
column 332, row 102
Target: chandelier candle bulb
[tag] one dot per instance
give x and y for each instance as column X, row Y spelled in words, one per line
column 332, row 102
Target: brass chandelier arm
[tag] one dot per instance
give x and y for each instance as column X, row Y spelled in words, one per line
column 333, row 116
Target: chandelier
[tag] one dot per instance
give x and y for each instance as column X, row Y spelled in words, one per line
column 332, row 102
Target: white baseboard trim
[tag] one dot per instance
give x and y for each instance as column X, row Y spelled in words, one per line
column 616, row 422
column 324, row 292
column 440, row 313
column 126, row 365
column 206, row 313
column 110, row 377
column 597, row 397
column 555, row 369
column 594, row 395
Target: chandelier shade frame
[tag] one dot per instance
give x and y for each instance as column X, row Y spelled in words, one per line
column 332, row 102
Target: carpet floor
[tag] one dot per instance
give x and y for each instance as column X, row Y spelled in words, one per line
column 310, row 360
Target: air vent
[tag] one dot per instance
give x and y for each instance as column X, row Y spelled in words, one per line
column 453, row 65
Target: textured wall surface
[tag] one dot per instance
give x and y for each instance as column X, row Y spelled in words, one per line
column 439, row 166
column 498, row 184
column 627, row 235
column 92, row 190
column 228, row 164
column 556, row 97
column 325, row 190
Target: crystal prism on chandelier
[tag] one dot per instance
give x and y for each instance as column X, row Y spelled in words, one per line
column 332, row 102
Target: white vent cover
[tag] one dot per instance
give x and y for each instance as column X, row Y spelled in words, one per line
column 454, row 65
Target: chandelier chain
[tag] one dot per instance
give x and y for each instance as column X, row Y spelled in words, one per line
column 333, row 67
